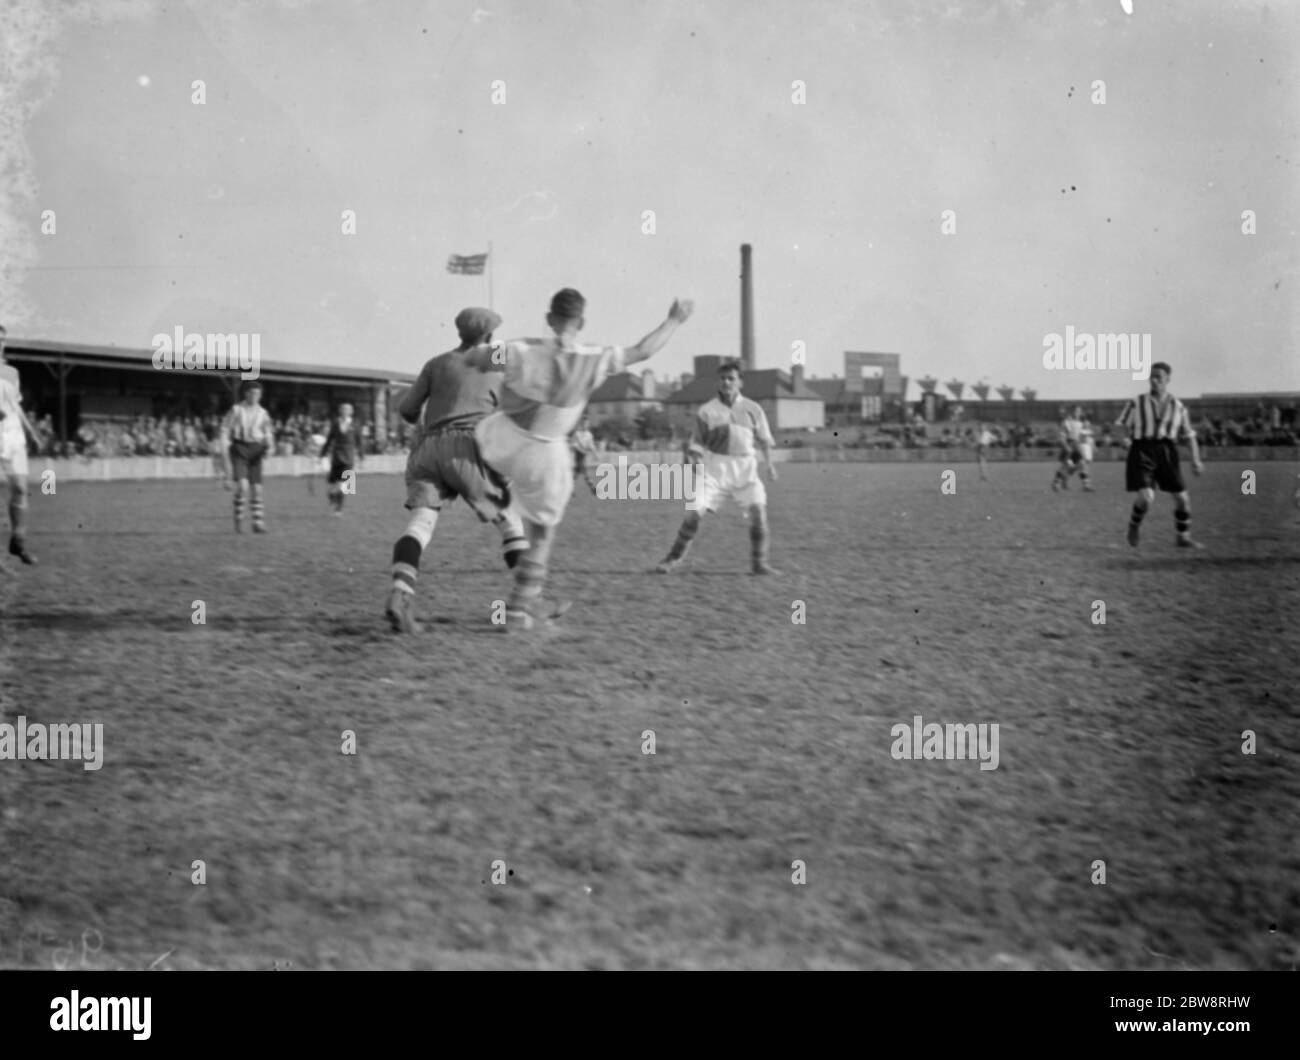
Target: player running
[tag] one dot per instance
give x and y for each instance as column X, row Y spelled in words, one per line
column 547, row 384
column 1155, row 421
column 14, row 429
column 445, row 462
column 343, row 449
column 727, row 431
column 247, row 434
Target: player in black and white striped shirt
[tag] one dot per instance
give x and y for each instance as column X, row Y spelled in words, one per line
column 1156, row 422
column 248, row 433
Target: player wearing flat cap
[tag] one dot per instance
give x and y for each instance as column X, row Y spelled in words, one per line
column 546, row 387
column 445, row 462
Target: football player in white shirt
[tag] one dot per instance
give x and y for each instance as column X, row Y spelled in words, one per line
column 727, row 431
column 14, row 429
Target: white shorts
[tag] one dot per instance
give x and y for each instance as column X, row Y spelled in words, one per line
column 539, row 471
column 1085, row 452
column 721, row 477
column 13, row 459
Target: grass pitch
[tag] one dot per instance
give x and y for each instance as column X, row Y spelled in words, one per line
column 1120, row 743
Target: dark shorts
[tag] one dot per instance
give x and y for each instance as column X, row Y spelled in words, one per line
column 446, row 465
column 337, row 468
column 1153, row 464
column 1071, row 454
column 579, row 463
column 246, row 461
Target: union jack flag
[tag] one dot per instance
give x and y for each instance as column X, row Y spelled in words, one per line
column 467, row 265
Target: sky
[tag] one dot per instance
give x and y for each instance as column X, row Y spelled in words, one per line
column 549, row 128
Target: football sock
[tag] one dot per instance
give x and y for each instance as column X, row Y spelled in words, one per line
column 530, row 577
column 513, row 541
column 1183, row 522
column 17, row 514
column 758, row 537
column 256, row 506
column 406, row 553
column 239, row 505
column 685, row 535
column 1136, row 516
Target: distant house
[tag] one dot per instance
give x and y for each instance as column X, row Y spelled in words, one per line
column 621, row 397
column 787, row 400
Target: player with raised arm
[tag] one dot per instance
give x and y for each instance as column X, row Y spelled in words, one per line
column 1156, row 421
column 546, row 387
column 445, row 462
column 727, row 431
column 14, row 430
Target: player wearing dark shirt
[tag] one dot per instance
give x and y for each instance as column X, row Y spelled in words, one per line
column 343, row 447
column 448, row 399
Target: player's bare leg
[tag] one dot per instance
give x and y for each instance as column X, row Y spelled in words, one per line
column 758, row 538
column 1061, row 480
column 1140, row 507
column 18, row 519
column 400, row 609
column 685, row 535
column 1183, row 520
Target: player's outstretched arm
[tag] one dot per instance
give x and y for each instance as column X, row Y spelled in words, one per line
column 678, row 314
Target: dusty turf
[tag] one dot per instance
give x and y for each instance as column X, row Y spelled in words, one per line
column 1119, row 742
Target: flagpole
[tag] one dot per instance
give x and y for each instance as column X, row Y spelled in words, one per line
column 489, row 272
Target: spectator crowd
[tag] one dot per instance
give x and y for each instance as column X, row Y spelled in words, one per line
column 183, row 436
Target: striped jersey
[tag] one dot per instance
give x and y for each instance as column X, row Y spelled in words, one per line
column 11, row 399
column 248, row 423
column 548, row 381
column 1148, row 418
column 453, row 392
column 730, row 430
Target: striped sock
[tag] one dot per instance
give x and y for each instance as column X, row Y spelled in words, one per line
column 530, row 577
column 685, row 535
column 1136, row 516
column 406, row 563
column 1183, row 523
column 513, row 542
column 259, row 512
column 239, row 508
